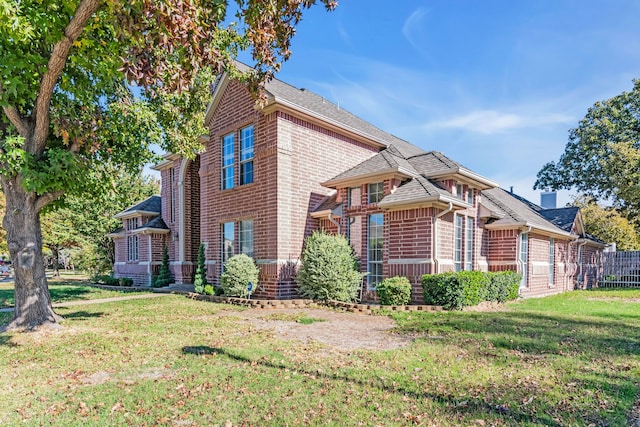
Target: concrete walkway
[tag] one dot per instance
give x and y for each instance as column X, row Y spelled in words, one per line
column 97, row 301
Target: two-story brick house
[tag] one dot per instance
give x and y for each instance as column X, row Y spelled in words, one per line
column 270, row 175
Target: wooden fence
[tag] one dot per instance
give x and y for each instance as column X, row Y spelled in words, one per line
column 619, row 269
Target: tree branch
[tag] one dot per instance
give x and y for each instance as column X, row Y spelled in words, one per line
column 14, row 116
column 56, row 64
column 47, row 198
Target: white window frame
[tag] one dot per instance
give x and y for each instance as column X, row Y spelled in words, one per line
column 457, row 242
column 245, row 237
column 228, row 161
column 468, row 244
column 172, row 189
column 247, row 141
column 132, row 248
column 374, row 266
column 523, row 256
column 224, row 245
column 375, row 189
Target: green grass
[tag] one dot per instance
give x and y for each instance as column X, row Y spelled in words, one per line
column 294, row 317
column 572, row 359
column 66, row 288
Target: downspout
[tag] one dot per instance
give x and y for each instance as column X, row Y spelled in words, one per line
column 333, row 221
column 434, row 241
column 581, row 258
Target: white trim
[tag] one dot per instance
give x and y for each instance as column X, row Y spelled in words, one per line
column 446, row 261
column 539, row 263
column 119, row 263
column 180, row 263
column 502, row 263
column 210, row 262
column 181, row 209
column 397, row 261
column 277, row 261
column 131, row 214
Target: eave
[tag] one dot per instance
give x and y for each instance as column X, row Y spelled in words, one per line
column 422, row 202
column 131, row 214
column 467, row 177
column 169, row 158
column 149, row 230
column 524, row 225
column 376, row 176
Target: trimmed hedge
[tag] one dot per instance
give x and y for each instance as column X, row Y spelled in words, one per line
column 394, row 291
column 108, row 280
column 466, row 288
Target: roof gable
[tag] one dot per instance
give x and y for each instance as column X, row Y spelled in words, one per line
column 150, row 206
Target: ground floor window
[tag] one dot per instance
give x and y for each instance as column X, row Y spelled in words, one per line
column 132, row 248
column 457, row 243
column 524, row 257
column 375, row 240
column 228, row 241
column 245, row 237
column 468, row 245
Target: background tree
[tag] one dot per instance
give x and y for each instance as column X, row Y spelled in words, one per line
column 58, row 234
column 602, row 157
column 4, row 250
column 67, row 107
column 608, row 225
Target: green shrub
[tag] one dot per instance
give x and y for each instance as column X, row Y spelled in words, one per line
column 466, row 288
column 329, row 269
column 105, row 279
column 200, row 279
column 164, row 276
column 125, row 281
column 208, row 290
column 239, row 271
column 505, row 286
column 394, row 291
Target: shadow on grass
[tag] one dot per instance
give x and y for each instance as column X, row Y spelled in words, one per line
column 60, row 292
column 448, row 402
column 82, row 315
column 5, row 340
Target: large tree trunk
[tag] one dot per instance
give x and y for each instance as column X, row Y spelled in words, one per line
column 22, row 222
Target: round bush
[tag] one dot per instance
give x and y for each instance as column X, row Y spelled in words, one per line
column 239, row 271
column 394, row 291
column 329, row 269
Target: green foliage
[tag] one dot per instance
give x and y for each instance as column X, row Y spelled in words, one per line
column 239, row 271
column 164, row 276
column 105, row 279
column 200, row 279
column 208, row 290
column 125, row 281
column 394, row 291
column 329, row 269
column 608, row 224
column 453, row 291
column 602, row 157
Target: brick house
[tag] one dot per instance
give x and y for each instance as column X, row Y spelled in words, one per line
column 270, row 175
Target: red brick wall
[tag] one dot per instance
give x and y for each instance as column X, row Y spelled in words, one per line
column 291, row 158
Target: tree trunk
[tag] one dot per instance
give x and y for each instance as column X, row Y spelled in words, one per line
column 22, row 223
column 56, row 262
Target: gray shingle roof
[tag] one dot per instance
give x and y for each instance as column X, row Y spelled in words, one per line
column 152, row 204
column 434, row 163
column 385, row 160
column 415, row 190
column 329, row 203
column 156, row 223
column 516, row 210
column 306, row 100
column 561, row 217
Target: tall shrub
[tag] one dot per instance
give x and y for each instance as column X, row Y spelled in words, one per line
column 329, row 268
column 239, row 271
column 164, row 277
column 200, row 279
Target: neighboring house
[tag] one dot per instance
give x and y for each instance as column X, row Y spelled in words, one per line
column 269, row 176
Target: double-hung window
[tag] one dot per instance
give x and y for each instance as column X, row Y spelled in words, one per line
column 245, row 237
column 524, row 257
column 457, row 243
column 468, row 245
column 246, row 155
column 375, row 239
column 227, row 161
column 228, row 241
column 375, row 192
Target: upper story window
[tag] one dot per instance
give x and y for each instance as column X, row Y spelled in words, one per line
column 354, row 196
column 227, row 161
column 131, row 223
column 460, row 191
column 375, row 192
column 246, row 155
column 470, row 196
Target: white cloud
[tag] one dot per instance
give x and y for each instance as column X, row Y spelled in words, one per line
column 491, row 122
column 413, row 28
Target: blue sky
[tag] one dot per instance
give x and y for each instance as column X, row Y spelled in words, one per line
column 495, row 85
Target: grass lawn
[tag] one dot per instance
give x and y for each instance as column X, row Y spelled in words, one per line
column 68, row 287
column 572, row 359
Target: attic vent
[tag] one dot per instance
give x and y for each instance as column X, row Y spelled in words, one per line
column 302, row 89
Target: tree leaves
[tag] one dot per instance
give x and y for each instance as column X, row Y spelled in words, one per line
column 602, row 157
